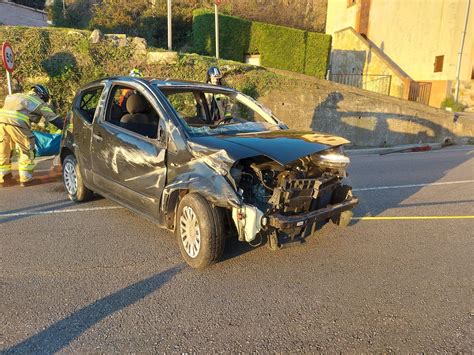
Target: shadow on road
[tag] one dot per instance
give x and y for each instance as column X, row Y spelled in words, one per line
column 20, row 213
column 234, row 248
column 62, row 333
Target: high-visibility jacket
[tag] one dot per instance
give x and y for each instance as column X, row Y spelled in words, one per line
column 22, row 109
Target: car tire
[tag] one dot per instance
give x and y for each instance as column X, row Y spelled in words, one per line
column 73, row 181
column 199, row 231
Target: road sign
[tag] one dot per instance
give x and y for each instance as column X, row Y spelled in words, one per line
column 8, row 58
column 218, row 2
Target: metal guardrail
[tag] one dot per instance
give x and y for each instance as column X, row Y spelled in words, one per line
column 371, row 82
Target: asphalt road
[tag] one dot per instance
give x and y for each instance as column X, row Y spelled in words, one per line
column 101, row 279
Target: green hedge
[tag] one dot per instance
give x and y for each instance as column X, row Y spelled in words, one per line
column 279, row 47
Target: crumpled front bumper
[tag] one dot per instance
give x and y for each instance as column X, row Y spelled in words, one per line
column 280, row 221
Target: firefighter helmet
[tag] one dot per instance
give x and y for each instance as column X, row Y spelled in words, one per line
column 135, row 73
column 214, row 75
column 42, row 91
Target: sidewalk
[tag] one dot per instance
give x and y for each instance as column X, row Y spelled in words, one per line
column 404, row 148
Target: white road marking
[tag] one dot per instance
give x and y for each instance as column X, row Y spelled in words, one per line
column 71, row 210
column 365, row 218
column 402, row 218
column 75, row 210
column 412, row 185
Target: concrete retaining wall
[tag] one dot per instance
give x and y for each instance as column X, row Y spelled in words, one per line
column 365, row 118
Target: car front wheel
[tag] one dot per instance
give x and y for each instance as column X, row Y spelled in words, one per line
column 199, row 231
column 73, row 182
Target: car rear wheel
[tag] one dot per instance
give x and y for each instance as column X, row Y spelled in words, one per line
column 73, row 182
column 199, row 231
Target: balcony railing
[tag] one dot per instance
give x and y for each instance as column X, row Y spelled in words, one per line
column 371, row 82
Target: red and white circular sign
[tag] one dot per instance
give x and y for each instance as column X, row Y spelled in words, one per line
column 218, row 2
column 8, row 58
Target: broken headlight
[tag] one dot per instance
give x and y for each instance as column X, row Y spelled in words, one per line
column 333, row 161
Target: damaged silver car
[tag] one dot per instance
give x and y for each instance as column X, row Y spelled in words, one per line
column 205, row 161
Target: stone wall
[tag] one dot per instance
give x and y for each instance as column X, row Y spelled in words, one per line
column 17, row 15
column 367, row 119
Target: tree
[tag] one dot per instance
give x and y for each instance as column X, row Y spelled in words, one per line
column 119, row 15
column 77, row 15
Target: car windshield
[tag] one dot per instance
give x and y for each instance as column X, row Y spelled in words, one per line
column 212, row 112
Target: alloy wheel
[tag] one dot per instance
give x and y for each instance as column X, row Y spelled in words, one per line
column 70, row 178
column 190, row 232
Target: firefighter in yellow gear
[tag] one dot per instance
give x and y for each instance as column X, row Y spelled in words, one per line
column 218, row 104
column 18, row 111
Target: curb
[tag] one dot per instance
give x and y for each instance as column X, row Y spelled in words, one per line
column 397, row 149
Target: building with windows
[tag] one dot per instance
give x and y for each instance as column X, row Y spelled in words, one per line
column 422, row 50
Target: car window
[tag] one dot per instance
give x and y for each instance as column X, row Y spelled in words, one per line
column 223, row 106
column 190, row 106
column 88, row 102
column 208, row 112
column 129, row 109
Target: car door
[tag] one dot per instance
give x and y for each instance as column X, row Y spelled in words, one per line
column 128, row 166
column 87, row 106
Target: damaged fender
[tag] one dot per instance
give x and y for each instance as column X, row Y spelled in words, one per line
column 248, row 220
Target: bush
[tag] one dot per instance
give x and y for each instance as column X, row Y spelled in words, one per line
column 231, row 29
column 279, row 47
column 64, row 60
column 77, row 14
column 139, row 18
column 451, row 103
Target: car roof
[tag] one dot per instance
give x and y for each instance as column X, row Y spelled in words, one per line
column 164, row 83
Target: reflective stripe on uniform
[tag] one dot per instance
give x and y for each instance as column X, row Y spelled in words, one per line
column 5, row 168
column 33, row 99
column 26, row 167
column 25, row 176
column 25, row 170
column 14, row 115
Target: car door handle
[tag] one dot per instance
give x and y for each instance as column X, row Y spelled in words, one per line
column 97, row 137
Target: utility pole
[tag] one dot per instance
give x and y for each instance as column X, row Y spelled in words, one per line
column 458, row 66
column 170, row 34
column 217, row 26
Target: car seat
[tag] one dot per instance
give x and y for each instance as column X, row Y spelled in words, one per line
column 137, row 119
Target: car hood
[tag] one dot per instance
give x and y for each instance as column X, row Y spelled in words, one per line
column 282, row 146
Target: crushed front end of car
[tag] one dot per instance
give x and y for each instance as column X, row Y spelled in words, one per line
column 282, row 202
column 285, row 192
